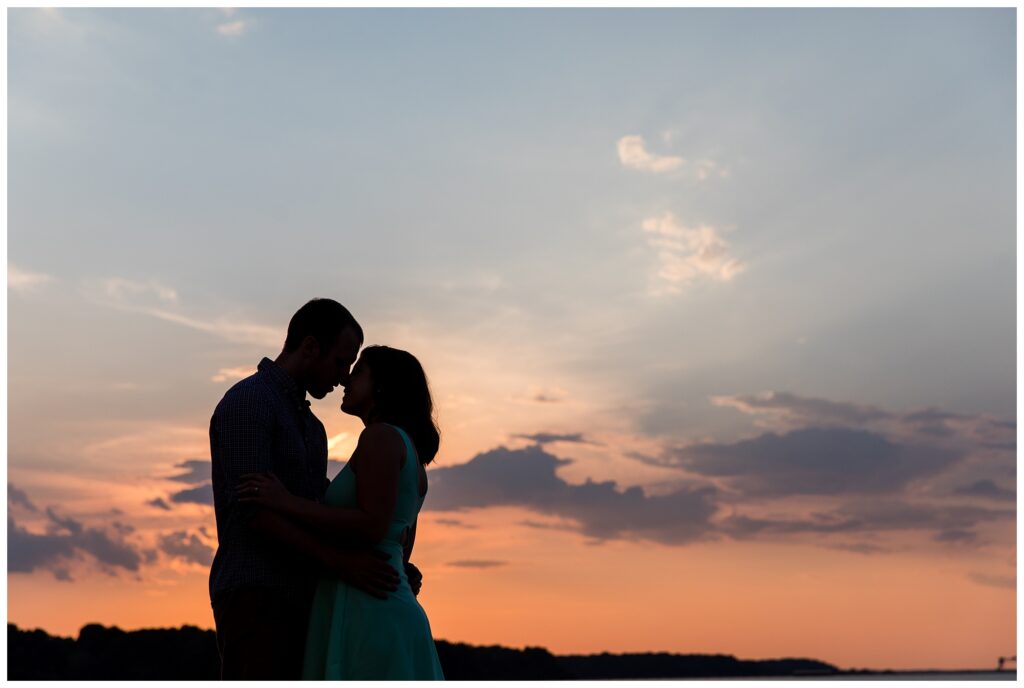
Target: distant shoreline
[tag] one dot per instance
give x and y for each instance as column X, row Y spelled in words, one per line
column 190, row 653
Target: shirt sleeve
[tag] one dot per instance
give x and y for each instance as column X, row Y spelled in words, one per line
column 241, row 434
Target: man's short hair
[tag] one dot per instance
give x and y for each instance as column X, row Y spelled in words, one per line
column 323, row 319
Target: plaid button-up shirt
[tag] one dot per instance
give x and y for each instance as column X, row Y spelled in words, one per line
column 262, row 424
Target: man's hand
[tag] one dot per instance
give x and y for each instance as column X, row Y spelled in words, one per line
column 367, row 570
column 414, row 576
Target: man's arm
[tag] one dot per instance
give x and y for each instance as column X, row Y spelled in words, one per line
column 364, row 569
column 241, row 436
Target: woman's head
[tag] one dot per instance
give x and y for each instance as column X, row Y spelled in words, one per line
column 389, row 386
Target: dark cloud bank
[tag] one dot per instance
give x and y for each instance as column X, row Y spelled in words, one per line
column 527, row 478
column 67, row 541
column 863, row 460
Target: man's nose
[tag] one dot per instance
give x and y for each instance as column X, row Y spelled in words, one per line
column 343, row 379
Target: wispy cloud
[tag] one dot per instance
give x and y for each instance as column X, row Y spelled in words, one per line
column 548, row 437
column 987, row 489
column 634, row 155
column 687, row 253
column 871, row 516
column 22, row 280
column 787, row 407
column 235, row 29
column 477, row 563
column 120, row 289
column 547, row 395
column 994, row 581
column 782, row 411
column 859, row 548
column 225, row 374
column 160, row 301
column 455, row 523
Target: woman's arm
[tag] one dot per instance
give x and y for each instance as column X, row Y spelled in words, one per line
column 378, row 457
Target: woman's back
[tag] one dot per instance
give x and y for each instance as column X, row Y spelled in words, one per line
column 353, row 635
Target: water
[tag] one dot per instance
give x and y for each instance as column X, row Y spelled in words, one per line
column 1008, row 675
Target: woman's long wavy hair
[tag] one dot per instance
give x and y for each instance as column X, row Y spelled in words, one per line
column 401, row 397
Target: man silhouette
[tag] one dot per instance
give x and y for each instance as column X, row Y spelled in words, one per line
column 265, row 569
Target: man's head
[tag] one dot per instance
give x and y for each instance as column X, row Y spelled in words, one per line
column 322, row 344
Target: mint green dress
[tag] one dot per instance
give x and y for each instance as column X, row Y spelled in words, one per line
column 353, row 636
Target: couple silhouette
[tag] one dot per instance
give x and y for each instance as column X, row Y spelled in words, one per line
column 312, row 577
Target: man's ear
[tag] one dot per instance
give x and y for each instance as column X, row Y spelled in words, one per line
column 310, row 347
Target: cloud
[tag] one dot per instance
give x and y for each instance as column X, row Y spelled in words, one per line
column 527, row 478
column 634, row 155
column 867, row 482
column 66, row 539
column 120, row 289
column 551, row 395
column 686, row 253
column 814, row 461
column 334, row 440
column 27, row 551
column 236, row 28
column 859, row 548
column 159, row 504
column 957, row 536
column 225, row 374
column 159, row 301
column 186, row 546
column 455, row 523
column 870, row 516
column 785, row 410
column 784, row 406
column 548, row 438
column 16, row 497
column 334, row 467
column 707, row 168
column 203, row 494
column 477, row 563
column 986, row 488
column 195, row 471
column 23, row 280
column 990, row 580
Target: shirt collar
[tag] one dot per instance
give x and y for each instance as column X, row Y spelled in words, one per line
column 284, row 381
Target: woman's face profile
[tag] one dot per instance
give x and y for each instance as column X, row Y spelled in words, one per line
column 358, row 397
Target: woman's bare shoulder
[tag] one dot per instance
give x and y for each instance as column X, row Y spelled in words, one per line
column 381, row 438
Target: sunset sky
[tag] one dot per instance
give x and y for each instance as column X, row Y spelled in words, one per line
column 717, row 306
